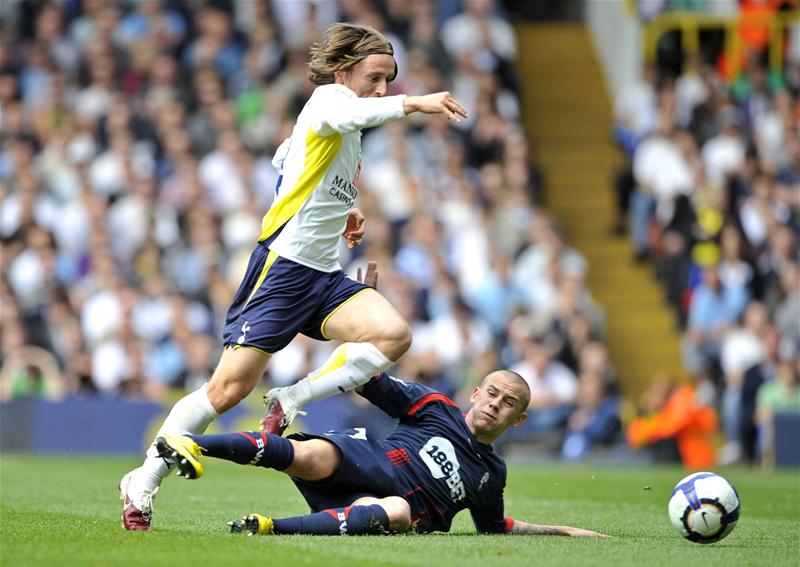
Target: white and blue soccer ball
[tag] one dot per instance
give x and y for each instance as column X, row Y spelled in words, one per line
column 704, row 507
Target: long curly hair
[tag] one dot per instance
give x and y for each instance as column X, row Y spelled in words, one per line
column 341, row 48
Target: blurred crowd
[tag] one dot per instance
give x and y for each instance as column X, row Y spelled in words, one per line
column 135, row 169
column 711, row 200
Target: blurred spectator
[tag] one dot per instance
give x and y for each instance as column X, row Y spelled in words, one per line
column 220, row 174
column 216, row 44
column 392, row 181
column 741, row 348
column 771, row 130
column 554, row 386
column 150, row 22
column 712, row 311
column 775, row 264
column 635, row 118
column 789, row 172
column 691, row 90
column 31, row 372
column 540, row 265
column 780, row 395
column 756, row 213
column 595, row 419
column 734, row 269
column 481, row 35
column 675, row 425
column 662, row 174
column 786, row 312
column 754, row 377
column 497, row 297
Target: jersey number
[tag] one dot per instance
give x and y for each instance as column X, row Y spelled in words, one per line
column 440, row 456
column 360, row 433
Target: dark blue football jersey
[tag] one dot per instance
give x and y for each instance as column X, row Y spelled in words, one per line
column 440, row 467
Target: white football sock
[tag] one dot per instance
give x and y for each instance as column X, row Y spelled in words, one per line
column 191, row 414
column 349, row 366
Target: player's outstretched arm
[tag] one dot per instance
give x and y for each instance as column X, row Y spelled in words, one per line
column 436, row 103
column 524, row 528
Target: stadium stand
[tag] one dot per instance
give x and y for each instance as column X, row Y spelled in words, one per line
column 713, row 175
column 135, row 165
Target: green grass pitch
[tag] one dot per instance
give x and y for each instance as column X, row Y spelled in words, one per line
column 65, row 511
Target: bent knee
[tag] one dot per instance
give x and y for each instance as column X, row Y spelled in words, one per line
column 314, row 459
column 394, row 340
column 399, row 513
column 403, row 339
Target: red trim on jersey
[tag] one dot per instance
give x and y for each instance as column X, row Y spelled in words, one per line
column 430, row 398
column 418, row 519
column 412, row 491
column 398, row 457
column 509, row 524
column 333, row 513
column 253, row 441
column 347, row 512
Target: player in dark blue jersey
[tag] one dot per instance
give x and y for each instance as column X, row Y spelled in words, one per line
column 437, row 462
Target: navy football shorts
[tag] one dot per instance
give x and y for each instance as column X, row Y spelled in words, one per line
column 365, row 471
column 279, row 298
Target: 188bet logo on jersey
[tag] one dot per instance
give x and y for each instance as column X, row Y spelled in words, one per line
column 440, row 456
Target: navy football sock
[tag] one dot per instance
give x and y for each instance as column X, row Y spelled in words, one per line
column 248, row 448
column 353, row 520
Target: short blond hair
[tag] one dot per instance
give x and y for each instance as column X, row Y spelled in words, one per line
column 341, row 48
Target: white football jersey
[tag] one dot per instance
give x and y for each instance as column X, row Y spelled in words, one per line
column 318, row 167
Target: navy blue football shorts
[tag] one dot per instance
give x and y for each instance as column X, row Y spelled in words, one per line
column 365, row 470
column 279, row 298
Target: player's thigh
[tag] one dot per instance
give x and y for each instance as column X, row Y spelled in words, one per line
column 237, row 374
column 367, row 316
column 396, row 508
column 314, row 459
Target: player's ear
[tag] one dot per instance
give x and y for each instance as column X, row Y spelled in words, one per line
column 519, row 420
column 474, row 395
column 341, row 77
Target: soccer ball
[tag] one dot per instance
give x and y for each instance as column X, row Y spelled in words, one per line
column 704, row 507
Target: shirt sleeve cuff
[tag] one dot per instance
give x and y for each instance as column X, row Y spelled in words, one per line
column 397, row 105
column 509, row 524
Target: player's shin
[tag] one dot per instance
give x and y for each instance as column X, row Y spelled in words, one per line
column 353, row 520
column 248, row 448
column 191, row 414
column 349, row 366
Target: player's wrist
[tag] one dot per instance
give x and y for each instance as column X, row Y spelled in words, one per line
column 410, row 104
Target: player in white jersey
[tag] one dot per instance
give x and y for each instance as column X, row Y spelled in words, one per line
column 294, row 283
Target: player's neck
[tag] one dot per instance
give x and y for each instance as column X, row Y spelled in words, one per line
column 482, row 437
